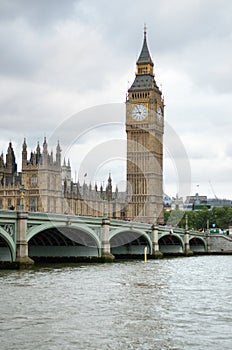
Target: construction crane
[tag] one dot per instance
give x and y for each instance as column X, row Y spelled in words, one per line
column 213, row 190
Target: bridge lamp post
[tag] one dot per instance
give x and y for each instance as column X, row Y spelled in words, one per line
column 22, row 191
column 207, row 236
column 186, row 222
column 188, row 251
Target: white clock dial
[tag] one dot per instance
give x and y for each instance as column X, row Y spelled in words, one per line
column 139, row 112
column 160, row 114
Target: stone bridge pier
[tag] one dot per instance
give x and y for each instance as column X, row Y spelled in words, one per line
column 22, row 257
column 155, row 242
column 105, row 250
column 188, row 251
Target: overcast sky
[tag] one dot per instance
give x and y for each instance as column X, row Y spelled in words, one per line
column 59, row 58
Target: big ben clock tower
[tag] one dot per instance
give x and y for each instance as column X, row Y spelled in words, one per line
column 144, row 127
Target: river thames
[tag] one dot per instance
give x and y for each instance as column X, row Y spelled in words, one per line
column 179, row 303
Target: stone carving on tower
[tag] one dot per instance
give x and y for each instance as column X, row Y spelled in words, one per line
column 144, row 127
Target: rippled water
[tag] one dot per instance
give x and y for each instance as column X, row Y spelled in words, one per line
column 181, row 303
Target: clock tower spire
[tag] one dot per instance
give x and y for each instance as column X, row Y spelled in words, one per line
column 145, row 57
column 144, row 127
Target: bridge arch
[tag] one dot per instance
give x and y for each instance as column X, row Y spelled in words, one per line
column 171, row 243
column 63, row 240
column 7, row 246
column 197, row 244
column 125, row 241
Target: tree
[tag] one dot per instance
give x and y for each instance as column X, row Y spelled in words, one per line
column 199, row 219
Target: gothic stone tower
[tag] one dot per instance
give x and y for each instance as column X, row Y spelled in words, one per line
column 41, row 176
column 144, row 127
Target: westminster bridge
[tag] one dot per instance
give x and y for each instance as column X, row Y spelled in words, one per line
column 25, row 235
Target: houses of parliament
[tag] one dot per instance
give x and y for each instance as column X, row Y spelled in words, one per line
column 44, row 183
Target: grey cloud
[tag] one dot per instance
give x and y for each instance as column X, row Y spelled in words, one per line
column 37, row 13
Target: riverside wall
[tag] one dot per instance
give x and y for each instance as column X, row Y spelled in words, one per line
column 220, row 243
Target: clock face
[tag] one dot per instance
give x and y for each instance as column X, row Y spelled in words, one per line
column 139, row 112
column 159, row 114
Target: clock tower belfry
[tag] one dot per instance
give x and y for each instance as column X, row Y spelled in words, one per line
column 144, row 127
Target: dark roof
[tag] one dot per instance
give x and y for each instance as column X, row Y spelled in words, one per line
column 144, row 55
column 143, row 82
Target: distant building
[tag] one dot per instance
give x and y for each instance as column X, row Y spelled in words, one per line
column 219, row 203
column 177, row 203
column 167, row 202
column 198, row 202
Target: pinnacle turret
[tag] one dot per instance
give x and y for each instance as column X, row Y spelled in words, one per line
column 45, row 146
column 24, row 145
column 38, row 148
